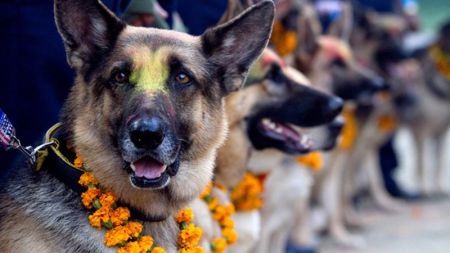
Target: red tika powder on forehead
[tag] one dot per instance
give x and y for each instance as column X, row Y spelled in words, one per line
column 335, row 48
column 269, row 57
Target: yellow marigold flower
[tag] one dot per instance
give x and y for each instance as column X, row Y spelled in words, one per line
column 158, row 250
column 185, row 215
column 219, row 213
column 99, row 216
column 119, row 216
column 312, row 160
column 89, row 196
column 190, row 236
column 194, row 250
column 285, row 41
column 87, row 178
column 213, row 203
column 78, row 163
column 207, row 190
column 350, row 129
column 218, row 245
column 247, row 194
column 107, row 199
column 134, row 228
column 131, row 247
column 230, row 235
column 146, row 243
column 229, row 209
column 117, row 236
column 387, row 123
column 227, row 222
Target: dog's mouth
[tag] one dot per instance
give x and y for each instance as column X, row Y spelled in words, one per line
column 280, row 135
column 149, row 173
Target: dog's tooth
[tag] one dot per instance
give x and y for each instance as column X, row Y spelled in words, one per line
column 132, row 167
column 266, row 121
column 278, row 130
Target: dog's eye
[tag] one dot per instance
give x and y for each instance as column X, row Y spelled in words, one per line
column 182, row 78
column 338, row 62
column 120, row 77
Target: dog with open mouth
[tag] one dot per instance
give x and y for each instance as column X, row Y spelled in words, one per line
column 329, row 63
column 266, row 115
column 146, row 115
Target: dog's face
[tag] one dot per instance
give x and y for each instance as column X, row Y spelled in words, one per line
column 285, row 102
column 267, row 114
column 335, row 70
column 146, row 113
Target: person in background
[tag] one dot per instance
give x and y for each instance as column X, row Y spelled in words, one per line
column 36, row 77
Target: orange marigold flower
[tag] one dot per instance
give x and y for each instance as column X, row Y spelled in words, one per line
column 312, row 160
column 134, row 228
column 146, row 243
column 117, row 236
column 158, row 250
column 78, row 163
column 219, row 213
column 227, row 222
column 99, row 216
column 207, row 190
column 190, row 236
column 119, row 216
column 89, row 196
column 350, row 130
column 131, row 247
column 213, row 203
column 185, row 215
column 87, row 178
column 230, row 235
column 218, row 245
column 229, row 209
column 107, row 199
column 194, row 250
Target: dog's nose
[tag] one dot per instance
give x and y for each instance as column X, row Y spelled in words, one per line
column 146, row 132
column 379, row 84
column 334, row 106
column 337, row 125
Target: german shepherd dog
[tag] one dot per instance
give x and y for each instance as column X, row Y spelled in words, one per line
column 146, row 115
column 265, row 115
column 331, row 67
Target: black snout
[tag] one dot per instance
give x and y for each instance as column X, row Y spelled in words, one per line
column 334, row 107
column 146, row 132
column 334, row 130
column 379, row 84
column 336, row 126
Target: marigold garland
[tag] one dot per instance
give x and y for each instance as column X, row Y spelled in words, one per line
column 222, row 214
column 126, row 234
column 441, row 61
column 284, row 41
column 247, row 195
column 387, row 123
column 312, row 160
column 350, row 129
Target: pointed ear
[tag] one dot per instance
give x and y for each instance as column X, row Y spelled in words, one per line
column 342, row 27
column 308, row 35
column 232, row 47
column 88, row 29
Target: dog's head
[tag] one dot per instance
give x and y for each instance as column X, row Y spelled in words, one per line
column 285, row 101
column 267, row 114
column 146, row 113
column 330, row 63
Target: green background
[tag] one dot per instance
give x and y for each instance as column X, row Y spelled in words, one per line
column 433, row 13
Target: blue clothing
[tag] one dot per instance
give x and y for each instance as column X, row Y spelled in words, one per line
column 35, row 75
column 197, row 15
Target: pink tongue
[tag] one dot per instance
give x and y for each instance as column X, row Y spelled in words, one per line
column 148, row 168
